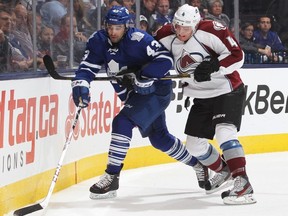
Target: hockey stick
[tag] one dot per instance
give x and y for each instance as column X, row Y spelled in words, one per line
column 49, row 64
column 44, row 203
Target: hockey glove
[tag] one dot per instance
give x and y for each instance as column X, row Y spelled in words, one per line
column 125, row 81
column 81, row 93
column 125, row 77
column 143, row 86
column 205, row 68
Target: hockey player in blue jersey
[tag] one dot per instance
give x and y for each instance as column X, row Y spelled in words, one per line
column 119, row 47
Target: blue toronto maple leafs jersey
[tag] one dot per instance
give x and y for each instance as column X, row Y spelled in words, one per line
column 137, row 49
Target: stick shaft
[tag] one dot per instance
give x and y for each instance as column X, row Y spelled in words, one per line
column 55, row 75
column 44, row 203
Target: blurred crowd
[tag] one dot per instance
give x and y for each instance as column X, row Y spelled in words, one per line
column 262, row 39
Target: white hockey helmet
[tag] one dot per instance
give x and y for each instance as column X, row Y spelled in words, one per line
column 187, row 15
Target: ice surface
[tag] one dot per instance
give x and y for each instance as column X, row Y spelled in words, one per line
column 172, row 190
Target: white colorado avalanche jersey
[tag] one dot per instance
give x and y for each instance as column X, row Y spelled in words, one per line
column 211, row 39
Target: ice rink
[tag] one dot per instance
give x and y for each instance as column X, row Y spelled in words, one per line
column 172, row 190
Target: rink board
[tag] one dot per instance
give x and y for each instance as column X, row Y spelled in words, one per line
column 34, row 124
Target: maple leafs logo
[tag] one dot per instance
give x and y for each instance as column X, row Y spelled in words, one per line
column 137, row 36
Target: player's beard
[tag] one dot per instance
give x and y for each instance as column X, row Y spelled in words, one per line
column 115, row 40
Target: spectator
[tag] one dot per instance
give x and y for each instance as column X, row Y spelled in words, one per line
column 215, row 8
column 264, row 37
column 174, row 4
column 5, row 54
column 6, row 5
column 89, row 5
column 22, row 34
column 11, row 58
column 144, row 25
column 61, row 44
column 52, row 12
column 21, row 31
column 155, row 28
column 93, row 17
column 201, row 5
column 279, row 10
column 82, row 23
column 44, row 40
column 12, row 39
column 26, row 3
column 38, row 23
column 40, row 62
column 5, row 21
column 39, row 5
column 112, row 3
column 92, row 14
column 246, row 40
column 163, row 14
column 232, row 23
column 148, row 8
column 129, row 4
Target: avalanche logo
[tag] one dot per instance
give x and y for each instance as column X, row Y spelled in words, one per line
column 218, row 26
column 188, row 62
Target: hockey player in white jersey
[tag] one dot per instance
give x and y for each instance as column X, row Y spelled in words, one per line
column 209, row 52
column 145, row 99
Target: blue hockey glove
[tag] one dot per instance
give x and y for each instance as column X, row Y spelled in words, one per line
column 205, row 69
column 143, row 86
column 81, row 93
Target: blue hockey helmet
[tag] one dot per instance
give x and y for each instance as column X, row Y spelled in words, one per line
column 117, row 15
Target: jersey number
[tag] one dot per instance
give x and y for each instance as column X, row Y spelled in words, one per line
column 232, row 41
column 150, row 51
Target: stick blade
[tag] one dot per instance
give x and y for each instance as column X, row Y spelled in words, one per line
column 27, row 210
column 49, row 64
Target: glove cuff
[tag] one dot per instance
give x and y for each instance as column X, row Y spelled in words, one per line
column 147, row 83
column 80, row 83
column 144, row 87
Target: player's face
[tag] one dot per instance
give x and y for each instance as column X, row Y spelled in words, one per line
column 115, row 32
column 183, row 33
